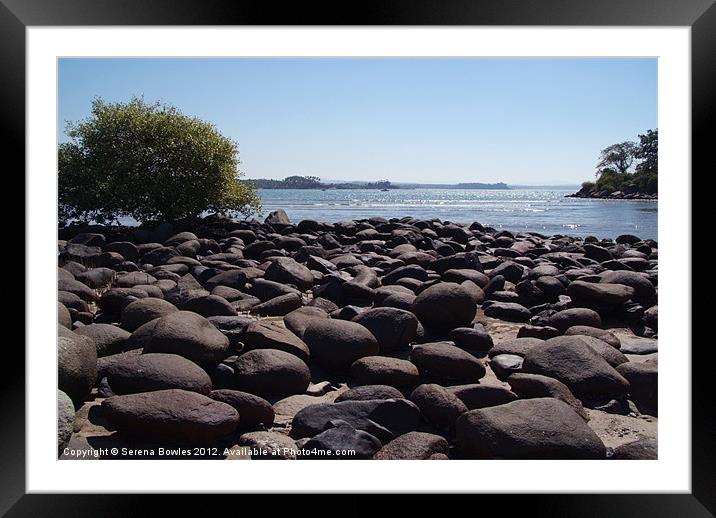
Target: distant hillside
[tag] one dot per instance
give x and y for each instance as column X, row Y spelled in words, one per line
column 313, row 182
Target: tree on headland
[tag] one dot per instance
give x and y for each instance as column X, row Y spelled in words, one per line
column 615, row 171
column 617, row 157
column 150, row 162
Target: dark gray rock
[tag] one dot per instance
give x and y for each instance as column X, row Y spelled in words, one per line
column 336, row 344
column 173, row 416
column 107, row 338
column 139, row 312
column 368, row 392
column 76, row 365
column 268, row 372
column 413, row 446
column 445, row 361
column 528, row 386
column 382, row 370
column 253, row 410
column 439, row 406
column 393, row 328
column 541, row 428
column 476, row 395
column 266, row 335
column 444, row 306
column 158, row 371
column 335, row 443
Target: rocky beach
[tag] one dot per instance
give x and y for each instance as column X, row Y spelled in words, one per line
column 373, row 338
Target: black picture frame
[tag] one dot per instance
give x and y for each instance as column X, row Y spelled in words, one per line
column 700, row 15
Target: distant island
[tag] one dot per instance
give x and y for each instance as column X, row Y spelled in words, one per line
column 313, row 182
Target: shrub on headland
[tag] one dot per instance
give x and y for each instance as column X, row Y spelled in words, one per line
column 149, row 162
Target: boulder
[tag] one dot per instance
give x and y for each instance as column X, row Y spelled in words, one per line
column 509, row 311
column 382, row 370
column 341, row 442
column 476, row 395
column 567, row 318
column 444, row 306
column 367, row 392
column 253, row 410
column 644, row 290
column 76, row 365
column 63, row 316
column 139, row 312
column 108, row 339
column 528, row 386
column 384, row 419
column 156, row 371
column 266, row 335
column 646, row 448
column 209, row 306
column 474, row 339
column 643, row 381
column 288, row 271
column 540, row 428
column 445, row 361
column 278, row 306
column 576, row 365
column 336, row 344
column 413, row 446
column 65, row 419
column 189, row 335
column 439, row 406
column 269, row 445
column 268, row 372
column 517, row 346
column 595, row 332
column 172, row 416
column 599, row 295
column 393, row 328
column 297, row 320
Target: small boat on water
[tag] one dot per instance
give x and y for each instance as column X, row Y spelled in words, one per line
column 385, row 190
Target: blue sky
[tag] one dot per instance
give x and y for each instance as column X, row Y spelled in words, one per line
column 520, row 121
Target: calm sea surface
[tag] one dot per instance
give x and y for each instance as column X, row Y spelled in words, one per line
column 548, row 212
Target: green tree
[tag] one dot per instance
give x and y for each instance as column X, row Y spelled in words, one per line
column 150, row 162
column 648, row 152
column 619, row 157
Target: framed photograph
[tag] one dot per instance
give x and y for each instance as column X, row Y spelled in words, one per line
column 427, row 232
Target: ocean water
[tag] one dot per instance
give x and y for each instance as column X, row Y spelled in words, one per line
column 545, row 211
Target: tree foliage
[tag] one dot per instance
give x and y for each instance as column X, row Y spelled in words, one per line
column 615, row 163
column 150, row 162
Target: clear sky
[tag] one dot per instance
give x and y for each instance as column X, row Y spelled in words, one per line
column 520, row 121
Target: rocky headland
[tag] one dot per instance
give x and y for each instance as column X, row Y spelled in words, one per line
column 390, row 339
column 627, row 194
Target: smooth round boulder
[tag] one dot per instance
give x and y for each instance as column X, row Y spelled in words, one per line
column 509, row 311
column 209, row 306
column 413, row 446
column 474, row 339
column 287, row 271
column 266, row 335
column 540, row 428
column 444, row 306
column 576, row 365
column 189, row 335
column 643, row 381
column 108, row 339
column 476, row 395
column 646, row 448
column 393, row 328
column 567, row 318
column 595, row 332
column 445, row 361
column 341, row 442
column 76, row 365
column 336, row 344
column 65, row 419
column 139, row 312
column 369, row 392
column 439, row 406
column 599, row 295
column 643, row 288
column 297, row 320
column 278, row 306
column 253, row 410
column 63, row 316
column 382, row 370
column 528, row 386
column 156, row 371
column 516, row 346
column 268, row 372
column 172, row 416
